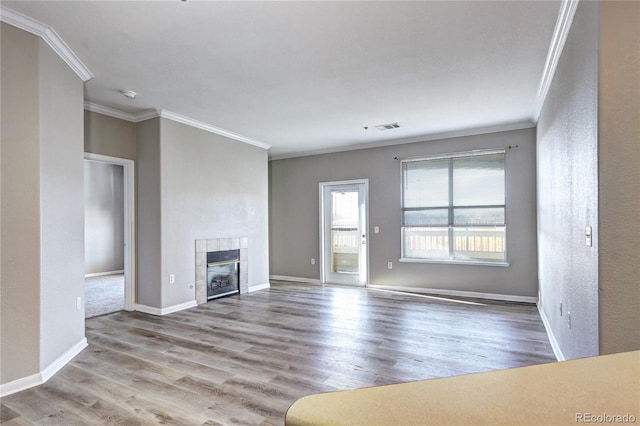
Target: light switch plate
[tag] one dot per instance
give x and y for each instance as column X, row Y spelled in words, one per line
column 588, row 233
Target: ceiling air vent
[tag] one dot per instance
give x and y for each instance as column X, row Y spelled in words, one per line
column 387, row 126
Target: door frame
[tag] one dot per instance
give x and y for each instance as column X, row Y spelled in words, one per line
column 128, row 178
column 321, row 215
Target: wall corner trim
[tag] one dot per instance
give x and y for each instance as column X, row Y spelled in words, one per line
column 50, row 36
column 165, row 311
column 259, row 287
column 552, row 338
column 560, row 33
column 44, row 375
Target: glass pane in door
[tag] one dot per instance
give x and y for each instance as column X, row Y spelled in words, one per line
column 345, row 242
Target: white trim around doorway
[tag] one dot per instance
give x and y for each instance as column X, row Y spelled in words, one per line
column 128, row 174
column 323, row 260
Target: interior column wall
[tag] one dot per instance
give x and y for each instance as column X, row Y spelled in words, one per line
column 148, row 214
column 61, row 207
column 20, row 205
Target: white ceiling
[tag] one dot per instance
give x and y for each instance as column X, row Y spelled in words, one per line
column 308, row 76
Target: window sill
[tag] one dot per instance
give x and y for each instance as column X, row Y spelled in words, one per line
column 455, row 262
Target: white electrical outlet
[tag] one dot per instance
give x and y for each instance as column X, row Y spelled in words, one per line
column 588, row 233
column 376, row 229
column 78, row 303
column 172, row 278
column 389, row 265
column 313, row 261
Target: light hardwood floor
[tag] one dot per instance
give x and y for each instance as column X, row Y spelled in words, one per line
column 245, row 359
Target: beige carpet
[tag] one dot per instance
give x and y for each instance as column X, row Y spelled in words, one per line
column 103, row 295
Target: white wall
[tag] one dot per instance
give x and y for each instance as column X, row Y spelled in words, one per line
column 103, row 217
column 294, row 226
column 212, row 187
column 568, row 191
column 192, row 185
column 61, row 206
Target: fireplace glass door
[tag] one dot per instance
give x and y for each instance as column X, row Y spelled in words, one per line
column 223, row 271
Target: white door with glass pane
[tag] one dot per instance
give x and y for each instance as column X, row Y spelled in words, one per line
column 343, row 225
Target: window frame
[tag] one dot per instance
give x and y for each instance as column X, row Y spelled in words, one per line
column 450, row 227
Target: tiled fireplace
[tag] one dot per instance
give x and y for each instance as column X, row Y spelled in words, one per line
column 216, row 245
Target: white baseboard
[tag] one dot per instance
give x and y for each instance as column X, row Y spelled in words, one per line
column 20, row 384
column 101, row 274
column 44, row 375
column 458, row 293
column 296, row 279
column 259, row 287
column 552, row 338
column 164, row 311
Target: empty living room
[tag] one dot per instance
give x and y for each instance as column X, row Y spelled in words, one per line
column 319, row 212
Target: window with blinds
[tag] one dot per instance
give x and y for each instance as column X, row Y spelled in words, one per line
column 454, row 208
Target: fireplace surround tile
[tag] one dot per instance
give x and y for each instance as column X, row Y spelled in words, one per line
column 219, row 244
column 201, row 246
column 201, row 292
column 201, row 273
column 201, row 258
column 225, row 244
column 213, row 245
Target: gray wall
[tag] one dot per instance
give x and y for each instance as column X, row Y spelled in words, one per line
column 109, row 136
column 103, row 217
column 42, row 206
column 294, row 226
column 192, row 185
column 20, row 153
column 568, row 191
column 619, row 176
column 148, row 209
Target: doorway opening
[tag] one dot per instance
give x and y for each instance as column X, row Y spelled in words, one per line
column 343, row 232
column 109, row 231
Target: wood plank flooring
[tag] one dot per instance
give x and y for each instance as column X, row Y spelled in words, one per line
column 245, row 359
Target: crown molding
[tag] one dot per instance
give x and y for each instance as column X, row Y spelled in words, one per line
column 519, row 125
column 147, row 115
column 111, row 112
column 50, row 36
column 209, row 128
column 136, row 118
column 560, row 33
